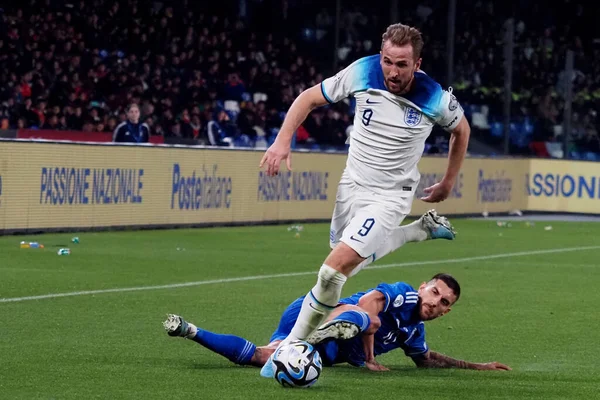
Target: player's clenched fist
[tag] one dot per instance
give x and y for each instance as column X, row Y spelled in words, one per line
column 273, row 157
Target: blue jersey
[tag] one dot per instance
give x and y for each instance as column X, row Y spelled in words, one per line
column 401, row 327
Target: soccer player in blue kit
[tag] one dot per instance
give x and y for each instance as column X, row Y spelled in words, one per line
column 389, row 317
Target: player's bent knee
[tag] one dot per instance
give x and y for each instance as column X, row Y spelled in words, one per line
column 343, row 258
column 328, row 273
column 326, row 293
column 330, row 278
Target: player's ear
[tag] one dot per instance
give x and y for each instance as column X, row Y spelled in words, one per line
column 447, row 311
column 423, row 285
column 418, row 64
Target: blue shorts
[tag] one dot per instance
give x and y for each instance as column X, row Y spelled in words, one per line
column 329, row 351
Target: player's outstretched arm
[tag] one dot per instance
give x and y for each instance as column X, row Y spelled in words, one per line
column 459, row 141
column 368, row 339
column 372, row 303
column 280, row 149
column 431, row 359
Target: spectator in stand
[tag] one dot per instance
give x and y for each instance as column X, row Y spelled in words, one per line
column 192, row 128
column 167, row 59
column 234, row 88
column 132, row 131
column 221, row 131
column 184, row 55
column 542, row 36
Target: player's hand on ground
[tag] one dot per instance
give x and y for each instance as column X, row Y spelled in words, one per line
column 273, row 157
column 495, row 366
column 373, row 365
column 436, row 193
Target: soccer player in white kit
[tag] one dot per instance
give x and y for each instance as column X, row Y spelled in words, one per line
column 397, row 106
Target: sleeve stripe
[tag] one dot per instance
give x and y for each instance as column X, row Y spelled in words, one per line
column 116, row 131
column 387, row 302
column 325, row 94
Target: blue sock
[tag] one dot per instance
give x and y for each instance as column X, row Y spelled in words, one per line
column 236, row 349
column 359, row 318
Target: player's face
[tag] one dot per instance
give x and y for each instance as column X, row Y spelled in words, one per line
column 435, row 299
column 399, row 65
column 133, row 114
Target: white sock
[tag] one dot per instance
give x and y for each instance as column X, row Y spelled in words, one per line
column 318, row 303
column 412, row 232
column 192, row 330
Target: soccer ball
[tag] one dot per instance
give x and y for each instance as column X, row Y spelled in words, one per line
column 297, row 365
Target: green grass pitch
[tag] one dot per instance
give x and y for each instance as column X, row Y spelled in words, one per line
column 534, row 312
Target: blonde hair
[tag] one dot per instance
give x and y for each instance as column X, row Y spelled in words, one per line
column 400, row 35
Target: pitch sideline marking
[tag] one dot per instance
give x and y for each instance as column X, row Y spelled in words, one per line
column 291, row 274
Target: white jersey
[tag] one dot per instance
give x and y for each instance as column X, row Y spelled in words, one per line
column 389, row 130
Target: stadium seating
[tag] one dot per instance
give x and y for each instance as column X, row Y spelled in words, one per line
column 76, row 68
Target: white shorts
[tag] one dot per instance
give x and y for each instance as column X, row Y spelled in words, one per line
column 364, row 220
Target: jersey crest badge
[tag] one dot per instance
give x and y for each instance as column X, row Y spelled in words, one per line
column 399, row 301
column 412, row 117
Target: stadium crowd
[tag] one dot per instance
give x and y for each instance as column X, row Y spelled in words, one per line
column 542, row 35
column 193, row 73
column 223, row 79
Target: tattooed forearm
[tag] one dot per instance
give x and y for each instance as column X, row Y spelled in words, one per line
column 437, row 360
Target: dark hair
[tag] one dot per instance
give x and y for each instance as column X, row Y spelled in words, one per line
column 400, row 35
column 450, row 281
column 130, row 106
